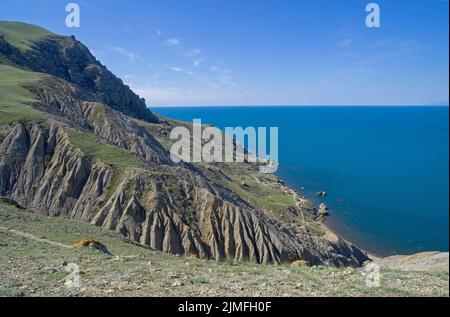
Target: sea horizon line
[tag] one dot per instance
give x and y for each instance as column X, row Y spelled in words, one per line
column 300, row 106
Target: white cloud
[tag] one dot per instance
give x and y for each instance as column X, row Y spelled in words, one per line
column 194, row 52
column 132, row 57
column 171, row 96
column 176, row 69
column 181, row 70
column 197, row 62
column 181, row 81
column 173, row 42
column 346, row 43
column 226, row 80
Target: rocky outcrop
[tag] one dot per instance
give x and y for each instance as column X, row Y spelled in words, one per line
column 80, row 110
column 41, row 170
column 323, row 210
column 204, row 224
column 425, row 261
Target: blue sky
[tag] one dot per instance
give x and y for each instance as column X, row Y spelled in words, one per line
column 271, row 52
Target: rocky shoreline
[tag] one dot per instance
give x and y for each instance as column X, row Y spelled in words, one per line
column 422, row 261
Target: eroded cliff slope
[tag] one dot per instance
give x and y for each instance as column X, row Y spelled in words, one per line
column 76, row 143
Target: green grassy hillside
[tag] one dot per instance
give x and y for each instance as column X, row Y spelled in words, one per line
column 22, row 35
column 33, row 250
column 15, row 99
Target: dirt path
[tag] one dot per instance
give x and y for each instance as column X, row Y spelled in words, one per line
column 256, row 178
column 33, row 237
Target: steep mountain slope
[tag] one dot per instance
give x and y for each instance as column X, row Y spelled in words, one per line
column 38, row 50
column 76, row 143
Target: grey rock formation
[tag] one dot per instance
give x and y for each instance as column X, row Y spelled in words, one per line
column 425, row 261
column 44, row 172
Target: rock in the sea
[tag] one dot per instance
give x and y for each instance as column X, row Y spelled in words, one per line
column 323, row 209
column 321, row 194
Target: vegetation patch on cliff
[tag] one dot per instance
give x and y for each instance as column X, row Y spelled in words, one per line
column 109, row 154
column 15, row 99
column 119, row 159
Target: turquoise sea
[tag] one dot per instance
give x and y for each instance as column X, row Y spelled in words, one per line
column 385, row 169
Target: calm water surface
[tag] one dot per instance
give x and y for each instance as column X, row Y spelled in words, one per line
column 386, row 169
